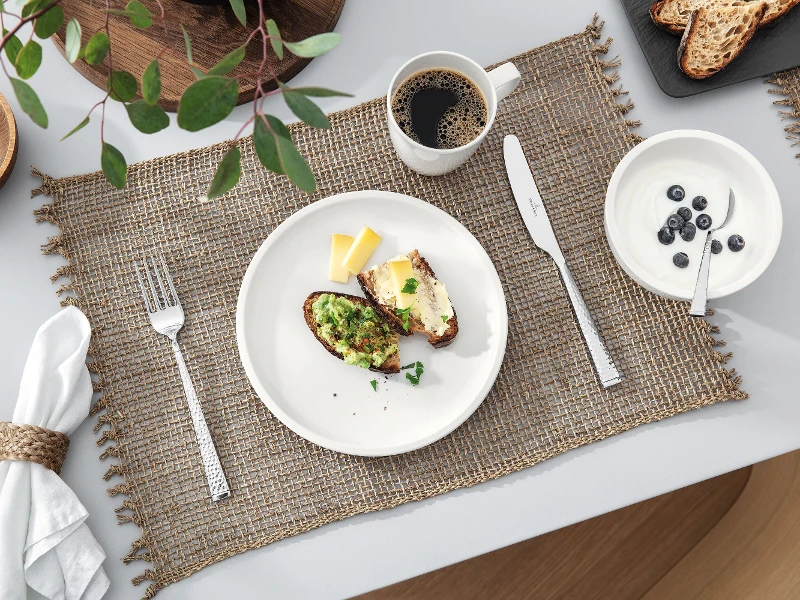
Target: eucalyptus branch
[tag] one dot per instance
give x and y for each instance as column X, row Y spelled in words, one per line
column 203, row 103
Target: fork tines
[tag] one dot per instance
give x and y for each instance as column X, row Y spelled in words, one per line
column 155, row 297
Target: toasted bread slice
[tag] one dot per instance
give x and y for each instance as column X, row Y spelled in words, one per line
column 776, row 9
column 673, row 15
column 390, row 365
column 438, row 336
column 715, row 36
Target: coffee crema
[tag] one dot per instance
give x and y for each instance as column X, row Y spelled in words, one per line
column 440, row 108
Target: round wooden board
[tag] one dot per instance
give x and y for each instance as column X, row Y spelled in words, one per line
column 9, row 141
column 214, row 32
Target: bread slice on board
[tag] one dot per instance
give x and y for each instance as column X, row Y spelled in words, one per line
column 673, row 15
column 367, row 281
column 715, row 36
column 390, row 365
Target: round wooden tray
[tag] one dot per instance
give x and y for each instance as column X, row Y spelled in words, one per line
column 9, row 142
column 214, row 32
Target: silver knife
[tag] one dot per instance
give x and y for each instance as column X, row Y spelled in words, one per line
column 534, row 215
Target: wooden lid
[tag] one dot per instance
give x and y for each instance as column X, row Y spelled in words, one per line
column 9, row 142
column 214, row 32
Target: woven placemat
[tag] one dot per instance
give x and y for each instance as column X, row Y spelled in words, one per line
column 572, row 125
column 788, row 84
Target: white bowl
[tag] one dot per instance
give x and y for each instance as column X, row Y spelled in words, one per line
column 704, row 164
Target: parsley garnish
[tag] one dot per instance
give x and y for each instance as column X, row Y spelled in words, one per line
column 411, row 366
column 444, row 318
column 418, row 371
column 411, row 286
column 404, row 313
column 374, row 384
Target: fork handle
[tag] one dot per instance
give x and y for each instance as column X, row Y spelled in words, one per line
column 698, row 307
column 215, row 476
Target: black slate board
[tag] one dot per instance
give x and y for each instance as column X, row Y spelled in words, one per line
column 771, row 50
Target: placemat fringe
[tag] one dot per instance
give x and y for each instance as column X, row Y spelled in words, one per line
column 788, row 84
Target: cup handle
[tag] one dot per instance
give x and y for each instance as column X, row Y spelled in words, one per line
column 504, row 79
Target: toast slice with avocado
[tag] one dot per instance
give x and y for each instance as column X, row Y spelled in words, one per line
column 352, row 330
column 715, row 36
column 411, row 299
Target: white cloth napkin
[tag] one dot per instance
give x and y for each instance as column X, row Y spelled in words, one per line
column 44, row 542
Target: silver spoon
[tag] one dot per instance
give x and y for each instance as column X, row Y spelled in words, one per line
column 698, row 308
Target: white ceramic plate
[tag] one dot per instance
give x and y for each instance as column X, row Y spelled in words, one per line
column 704, row 164
column 333, row 404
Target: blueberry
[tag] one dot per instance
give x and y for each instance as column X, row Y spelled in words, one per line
column 735, row 242
column 685, row 213
column 680, row 260
column 716, row 247
column 699, row 203
column 665, row 236
column 688, row 232
column 675, row 222
column 675, row 192
column 703, row 221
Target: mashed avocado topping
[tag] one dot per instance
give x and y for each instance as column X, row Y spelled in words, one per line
column 357, row 332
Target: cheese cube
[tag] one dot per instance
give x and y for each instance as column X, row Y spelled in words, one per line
column 364, row 245
column 400, row 271
column 340, row 244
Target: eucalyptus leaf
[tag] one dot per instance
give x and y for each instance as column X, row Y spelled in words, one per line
column 29, row 59
column 13, row 46
column 320, row 92
column 72, row 45
column 151, row 83
column 97, row 48
column 31, row 7
column 316, row 45
column 139, row 14
column 49, row 22
column 239, row 11
column 276, row 151
column 206, row 102
column 227, row 175
column 306, row 110
column 2, row 6
column 228, row 63
column 275, row 39
column 114, row 166
column 188, row 44
column 121, row 86
column 29, row 102
column 147, row 118
column 76, row 129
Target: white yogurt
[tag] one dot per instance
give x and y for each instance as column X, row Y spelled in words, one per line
column 650, row 208
column 706, row 167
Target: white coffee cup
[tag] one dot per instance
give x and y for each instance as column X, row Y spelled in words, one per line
column 494, row 85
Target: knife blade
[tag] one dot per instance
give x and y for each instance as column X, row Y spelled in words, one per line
column 534, row 215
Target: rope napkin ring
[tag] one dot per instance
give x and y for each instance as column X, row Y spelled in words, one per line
column 34, row 444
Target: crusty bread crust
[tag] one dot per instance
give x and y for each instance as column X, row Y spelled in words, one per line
column 775, row 12
column 367, row 282
column 656, row 10
column 663, row 13
column 693, row 34
column 391, row 365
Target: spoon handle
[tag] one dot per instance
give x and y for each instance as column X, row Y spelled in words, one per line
column 698, row 308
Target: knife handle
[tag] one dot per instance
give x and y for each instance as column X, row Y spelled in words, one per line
column 603, row 364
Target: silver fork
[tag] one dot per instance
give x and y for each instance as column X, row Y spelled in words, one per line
column 698, row 308
column 166, row 316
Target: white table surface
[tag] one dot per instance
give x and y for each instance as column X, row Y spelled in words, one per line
column 761, row 324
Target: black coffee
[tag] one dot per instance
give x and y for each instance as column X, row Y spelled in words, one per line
column 440, row 108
